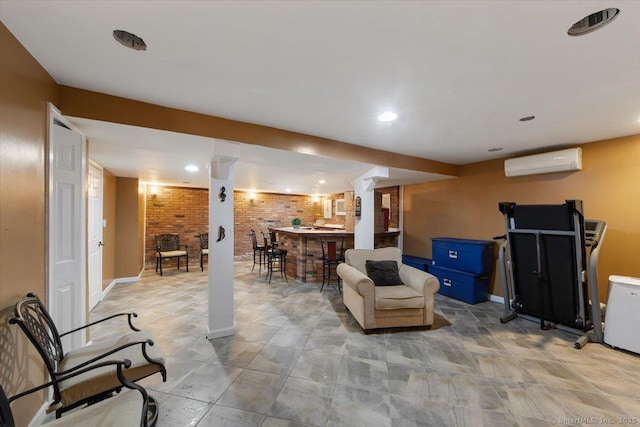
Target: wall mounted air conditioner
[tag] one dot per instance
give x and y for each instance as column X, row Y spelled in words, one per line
column 556, row 161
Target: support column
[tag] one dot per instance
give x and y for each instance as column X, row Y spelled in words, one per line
column 221, row 245
column 364, row 187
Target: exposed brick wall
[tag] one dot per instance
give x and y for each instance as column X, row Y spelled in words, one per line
column 394, row 222
column 176, row 210
column 269, row 210
column 186, row 211
column 335, row 219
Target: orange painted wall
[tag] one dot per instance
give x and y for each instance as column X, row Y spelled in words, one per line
column 108, row 232
column 25, row 89
column 128, row 260
column 467, row 206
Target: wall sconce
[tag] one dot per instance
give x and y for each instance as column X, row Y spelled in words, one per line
column 252, row 196
column 154, row 191
column 316, row 199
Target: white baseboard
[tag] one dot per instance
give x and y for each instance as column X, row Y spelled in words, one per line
column 128, row 279
column 119, row 280
column 38, row 418
column 219, row 333
column 496, row 298
column 108, row 289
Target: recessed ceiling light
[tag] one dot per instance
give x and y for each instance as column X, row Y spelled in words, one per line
column 322, row 181
column 593, row 22
column 495, row 149
column 288, row 190
column 527, row 119
column 387, row 116
column 191, row 168
column 129, row 40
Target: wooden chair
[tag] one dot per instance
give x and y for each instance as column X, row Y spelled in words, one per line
column 275, row 260
column 72, row 388
column 257, row 249
column 204, row 249
column 332, row 255
column 168, row 246
column 126, row 409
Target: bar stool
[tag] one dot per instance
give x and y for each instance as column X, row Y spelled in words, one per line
column 332, row 255
column 276, row 260
column 259, row 249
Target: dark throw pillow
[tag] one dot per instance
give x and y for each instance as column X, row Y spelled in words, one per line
column 383, row 273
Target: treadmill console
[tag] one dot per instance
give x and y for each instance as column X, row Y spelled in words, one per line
column 593, row 229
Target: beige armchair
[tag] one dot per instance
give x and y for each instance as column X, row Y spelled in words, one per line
column 410, row 304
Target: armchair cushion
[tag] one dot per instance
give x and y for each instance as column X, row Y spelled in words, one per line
column 394, row 297
column 383, row 273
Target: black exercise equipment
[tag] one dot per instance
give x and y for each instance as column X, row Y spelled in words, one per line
column 545, row 277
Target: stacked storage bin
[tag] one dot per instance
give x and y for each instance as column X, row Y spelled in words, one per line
column 463, row 267
column 417, row 262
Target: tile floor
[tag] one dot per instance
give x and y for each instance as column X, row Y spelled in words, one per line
column 298, row 358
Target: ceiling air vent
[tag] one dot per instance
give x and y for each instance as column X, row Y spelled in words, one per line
column 593, row 22
column 129, row 40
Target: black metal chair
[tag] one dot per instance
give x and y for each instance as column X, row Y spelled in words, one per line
column 332, row 255
column 168, row 246
column 259, row 249
column 128, row 408
column 276, row 260
column 72, row 388
column 204, row 249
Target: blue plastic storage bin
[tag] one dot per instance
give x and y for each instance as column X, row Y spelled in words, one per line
column 463, row 286
column 471, row 256
column 417, row 262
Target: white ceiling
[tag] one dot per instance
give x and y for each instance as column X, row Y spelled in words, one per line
column 159, row 157
column 459, row 74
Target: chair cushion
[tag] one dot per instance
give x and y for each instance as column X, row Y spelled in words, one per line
column 383, row 273
column 395, row 297
column 170, row 254
column 205, row 252
column 123, row 410
column 99, row 380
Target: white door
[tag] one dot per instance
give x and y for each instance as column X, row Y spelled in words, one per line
column 67, row 293
column 94, row 200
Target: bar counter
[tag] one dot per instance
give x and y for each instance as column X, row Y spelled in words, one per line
column 304, row 252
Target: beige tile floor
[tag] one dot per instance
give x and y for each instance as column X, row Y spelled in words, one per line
column 298, row 358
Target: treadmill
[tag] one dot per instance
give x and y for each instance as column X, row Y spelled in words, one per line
column 551, row 274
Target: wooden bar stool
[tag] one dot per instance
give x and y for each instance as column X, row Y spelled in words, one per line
column 332, row 255
column 276, row 260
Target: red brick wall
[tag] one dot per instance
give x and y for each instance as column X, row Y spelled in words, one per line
column 394, row 222
column 186, row 211
column 176, row 210
column 269, row 210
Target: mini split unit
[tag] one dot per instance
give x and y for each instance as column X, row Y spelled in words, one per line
column 556, row 161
